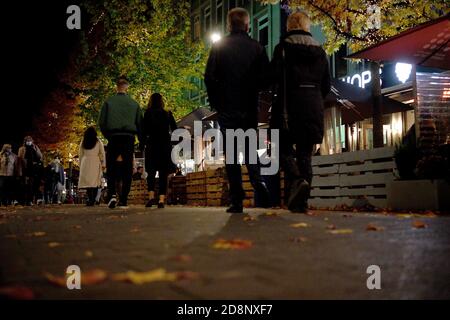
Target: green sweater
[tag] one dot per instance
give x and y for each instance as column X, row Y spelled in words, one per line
column 120, row 115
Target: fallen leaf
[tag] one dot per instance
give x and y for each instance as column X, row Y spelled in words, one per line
column 182, row 258
column 340, row 231
column 331, row 227
column 54, row 244
column 11, row 236
column 89, row 253
column 249, row 218
column 145, row 277
column 300, row 225
column 404, row 216
column 298, row 239
column 17, row 293
column 430, row 214
column 271, row 214
column 78, row 227
column 186, row 275
column 135, row 230
column 347, row 216
column 419, row 224
column 325, row 219
column 90, row 277
column 36, row 234
column 236, row 244
column 373, row 227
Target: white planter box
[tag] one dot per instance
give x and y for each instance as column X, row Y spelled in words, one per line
column 419, row 195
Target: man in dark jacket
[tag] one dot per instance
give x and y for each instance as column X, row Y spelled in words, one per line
column 233, row 78
column 120, row 120
column 301, row 75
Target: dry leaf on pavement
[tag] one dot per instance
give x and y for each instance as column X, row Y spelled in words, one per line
column 340, row 231
column 300, row 225
column 16, row 293
column 90, row 277
column 419, row 224
column 235, row 244
column 145, row 277
column 373, row 227
column 182, row 258
column 36, row 234
column 249, row 218
column 89, row 253
column 54, row 244
column 298, row 239
column 331, row 227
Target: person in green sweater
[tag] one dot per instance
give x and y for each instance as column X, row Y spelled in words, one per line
column 120, row 121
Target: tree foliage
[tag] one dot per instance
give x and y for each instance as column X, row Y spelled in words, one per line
column 351, row 21
column 147, row 41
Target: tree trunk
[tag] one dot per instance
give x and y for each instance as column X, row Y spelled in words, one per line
column 377, row 106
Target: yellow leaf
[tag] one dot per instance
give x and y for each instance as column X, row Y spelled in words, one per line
column 340, row 231
column 419, row 224
column 54, row 244
column 235, row 244
column 89, row 253
column 145, row 277
column 300, row 225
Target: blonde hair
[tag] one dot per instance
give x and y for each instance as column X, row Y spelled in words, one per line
column 238, row 19
column 298, row 21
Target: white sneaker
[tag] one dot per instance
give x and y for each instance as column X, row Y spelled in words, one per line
column 112, row 203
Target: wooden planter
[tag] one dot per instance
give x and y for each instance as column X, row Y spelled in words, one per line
column 419, row 195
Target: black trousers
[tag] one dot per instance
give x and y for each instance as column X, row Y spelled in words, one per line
column 91, row 194
column 6, row 190
column 162, row 181
column 120, row 172
column 295, row 158
column 234, row 174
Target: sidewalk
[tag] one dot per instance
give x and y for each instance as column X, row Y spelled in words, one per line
column 283, row 255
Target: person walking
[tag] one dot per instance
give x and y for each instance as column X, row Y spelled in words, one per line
column 158, row 125
column 30, row 169
column 234, row 75
column 120, row 121
column 301, row 76
column 8, row 165
column 92, row 164
column 57, row 180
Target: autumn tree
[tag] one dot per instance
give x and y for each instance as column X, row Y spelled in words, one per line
column 362, row 23
column 149, row 42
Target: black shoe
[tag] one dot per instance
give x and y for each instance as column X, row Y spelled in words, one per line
column 264, row 196
column 89, row 204
column 112, row 203
column 97, row 203
column 122, row 205
column 149, row 203
column 235, row 209
column 298, row 194
column 160, row 205
column 301, row 209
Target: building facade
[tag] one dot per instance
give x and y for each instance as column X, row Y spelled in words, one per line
column 267, row 25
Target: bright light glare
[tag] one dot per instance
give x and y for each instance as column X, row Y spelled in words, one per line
column 215, row 37
column 403, row 71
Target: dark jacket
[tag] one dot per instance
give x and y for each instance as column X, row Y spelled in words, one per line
column 234, row 75
column 307, row 84
column 120, row 115
column 157, row 127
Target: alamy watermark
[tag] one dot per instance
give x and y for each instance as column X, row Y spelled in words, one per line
column 249, row 146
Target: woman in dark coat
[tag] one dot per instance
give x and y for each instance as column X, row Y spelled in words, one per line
column 301, row 75
column 158, row 124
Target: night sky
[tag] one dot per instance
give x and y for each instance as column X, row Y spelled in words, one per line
column 35, row 47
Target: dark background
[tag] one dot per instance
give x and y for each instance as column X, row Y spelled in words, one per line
column 35, row 48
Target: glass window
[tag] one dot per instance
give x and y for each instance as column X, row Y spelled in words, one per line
column 263, row 33
column 207, row 16
column 219, row 13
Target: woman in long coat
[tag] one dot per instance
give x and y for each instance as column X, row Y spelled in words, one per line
column 301, row 75
column 92, row 164
column 158, row 124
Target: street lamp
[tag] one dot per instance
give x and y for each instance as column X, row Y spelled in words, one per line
column 215, row 37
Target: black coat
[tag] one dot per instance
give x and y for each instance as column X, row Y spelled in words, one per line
column 234, row 76
column 158, row 125
column 307, row 84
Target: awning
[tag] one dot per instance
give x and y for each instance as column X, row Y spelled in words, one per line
column 424, row 45
column 357, row 103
